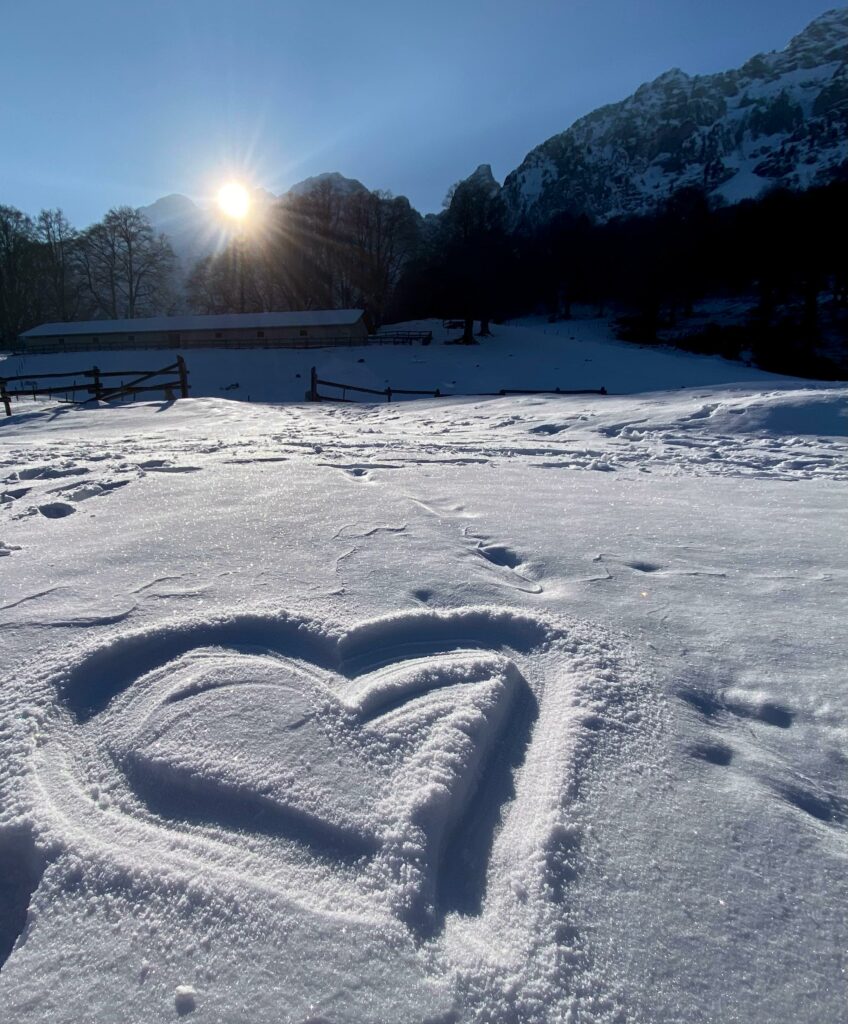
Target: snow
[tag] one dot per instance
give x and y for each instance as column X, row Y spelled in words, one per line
column 744, row 184
column 185, row 999
column 477, row 709
column 603, row 164
column 530, row 354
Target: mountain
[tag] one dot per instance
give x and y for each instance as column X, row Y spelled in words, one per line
column 483, row 179
column 186, row 225
column 780, row 119
column 333, row 179
column 196, row 230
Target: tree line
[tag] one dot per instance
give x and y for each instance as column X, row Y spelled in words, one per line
column 782, row 257
column 50, row 272
column 331, row 248
column 323, row 249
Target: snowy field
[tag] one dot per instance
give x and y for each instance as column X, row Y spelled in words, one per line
column 573, row 355
column 527, row 709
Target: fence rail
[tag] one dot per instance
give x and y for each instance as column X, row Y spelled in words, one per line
column 313, row 395
column 94, row 386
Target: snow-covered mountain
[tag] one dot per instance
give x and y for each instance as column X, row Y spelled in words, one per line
column 780, row 119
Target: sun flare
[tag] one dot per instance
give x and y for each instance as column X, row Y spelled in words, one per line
column 234, row 200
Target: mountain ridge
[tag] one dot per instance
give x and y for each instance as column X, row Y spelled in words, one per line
column 780, row 119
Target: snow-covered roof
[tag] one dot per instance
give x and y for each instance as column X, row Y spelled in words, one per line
column 226, row 321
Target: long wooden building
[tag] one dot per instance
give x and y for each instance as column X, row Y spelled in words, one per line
column 314, row 328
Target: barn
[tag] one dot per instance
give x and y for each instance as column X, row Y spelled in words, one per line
column 314, row 328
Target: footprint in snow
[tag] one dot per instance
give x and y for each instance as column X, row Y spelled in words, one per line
column 499, row 554
column 504, row 557
column 46, row 472
column 14, row 494
column 56, row 509
column 712, row 705
column 548, row 428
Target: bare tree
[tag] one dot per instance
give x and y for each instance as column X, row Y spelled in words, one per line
column 60, row 281
column 321, row 249
column 384, row 235
column 126, row 266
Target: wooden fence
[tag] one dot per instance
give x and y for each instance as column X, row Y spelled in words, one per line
column 313, row 395
column 28, row 385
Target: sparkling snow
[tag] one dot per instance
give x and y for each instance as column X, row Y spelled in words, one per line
column 508, row 710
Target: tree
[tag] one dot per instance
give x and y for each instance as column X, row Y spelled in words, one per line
column 59, row 278
column 18, row 277
column 125, row 266
column 472, row 247
column 322, row 249
column 382, row 235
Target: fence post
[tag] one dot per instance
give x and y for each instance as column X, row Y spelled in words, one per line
column 4, row 396
column 183, row 372
column 313, row 385
column 388, row 394
column 98, row 390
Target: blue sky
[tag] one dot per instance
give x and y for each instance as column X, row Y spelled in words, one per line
column 122, row 102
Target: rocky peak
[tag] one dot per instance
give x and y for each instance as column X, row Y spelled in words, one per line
column 331, row 179
column 780, row 119
column 824, row 39
column 482, row 177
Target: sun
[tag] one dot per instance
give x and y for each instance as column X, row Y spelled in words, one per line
column 234, row 200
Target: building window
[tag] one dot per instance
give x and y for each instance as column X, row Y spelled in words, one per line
column 95, row 337
column 260, row 334
column 61, row 341
column 130, row 337
column 218, row 334
column 174, row 337
column 302, row 333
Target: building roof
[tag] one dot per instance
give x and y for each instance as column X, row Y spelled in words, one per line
column 227, row 321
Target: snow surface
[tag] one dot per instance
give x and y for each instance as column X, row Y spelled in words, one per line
column 531, row 354
column 507, row 710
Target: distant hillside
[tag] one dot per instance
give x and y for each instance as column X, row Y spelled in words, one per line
column 185, row 223
column 780, row 119
column 195, row 230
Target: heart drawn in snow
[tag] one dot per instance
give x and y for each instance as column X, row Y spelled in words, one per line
column 380, row 751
